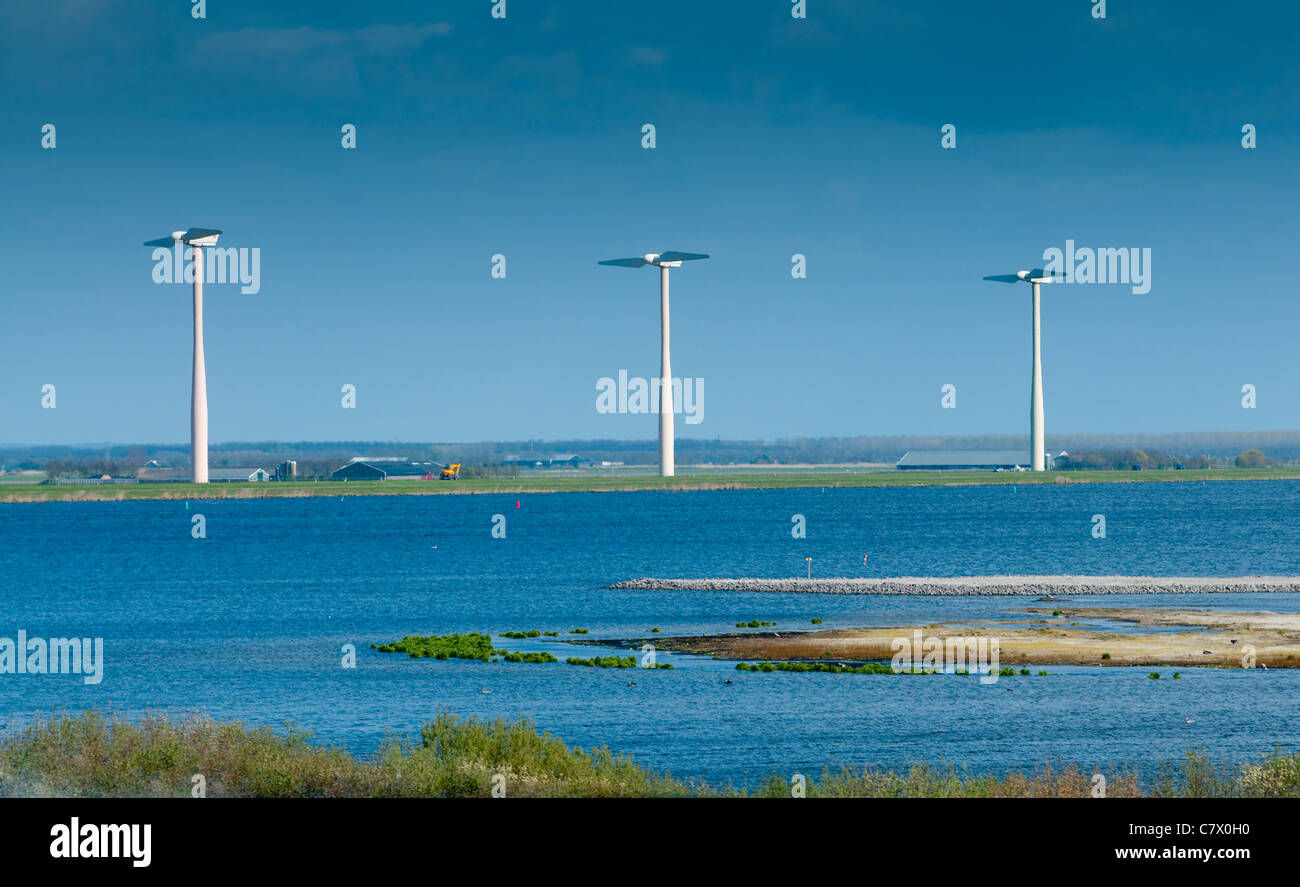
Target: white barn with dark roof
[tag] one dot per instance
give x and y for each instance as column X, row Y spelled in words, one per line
column 971, row 460
column 234, row 475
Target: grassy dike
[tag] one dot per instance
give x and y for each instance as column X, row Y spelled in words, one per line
column 92, row 755
column 703, row 480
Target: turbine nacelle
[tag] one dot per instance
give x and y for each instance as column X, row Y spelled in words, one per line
column 1038, row 275
column 670, row 259
column 194, row 237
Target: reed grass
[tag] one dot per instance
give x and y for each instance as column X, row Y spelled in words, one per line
column 95, row 755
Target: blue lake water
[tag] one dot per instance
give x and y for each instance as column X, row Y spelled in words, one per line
column 249, row 622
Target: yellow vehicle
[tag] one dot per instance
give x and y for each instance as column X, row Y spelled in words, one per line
column 451, row 472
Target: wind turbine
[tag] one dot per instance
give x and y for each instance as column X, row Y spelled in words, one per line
column 670, row 259
column 197, row 238
column 1036, row 434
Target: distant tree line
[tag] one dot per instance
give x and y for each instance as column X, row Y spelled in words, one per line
column 1126, row 459
column 316, row 459
column 89, row 466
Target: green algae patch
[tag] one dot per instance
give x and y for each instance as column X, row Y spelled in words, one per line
column 612, row 662
column 443, row 646
column 604, row 661
column 529, row 657
column 473, row 646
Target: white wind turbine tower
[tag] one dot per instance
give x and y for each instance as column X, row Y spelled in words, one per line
column 670, row 259
column 1036, row 433
column 197, row 238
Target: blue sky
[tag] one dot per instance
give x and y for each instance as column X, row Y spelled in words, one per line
column 522, row 136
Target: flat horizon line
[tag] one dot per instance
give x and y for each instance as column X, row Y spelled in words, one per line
column 650, row 440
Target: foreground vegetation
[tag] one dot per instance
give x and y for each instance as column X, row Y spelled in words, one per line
column 711, row 480
column 91, row 755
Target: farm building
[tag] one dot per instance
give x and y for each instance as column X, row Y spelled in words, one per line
column 152, row 475
column 234, row 475
column 557, row 460
column 386, row 469
column 955, row 460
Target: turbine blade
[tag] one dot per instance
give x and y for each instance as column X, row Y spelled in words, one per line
column 161, row 241
column 674, row 256
column 1005, row 278
column 625, row 263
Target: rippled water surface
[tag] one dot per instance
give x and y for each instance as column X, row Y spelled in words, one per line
column 249, row 622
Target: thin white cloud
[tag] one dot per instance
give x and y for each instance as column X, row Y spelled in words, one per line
column 280, row 43
column 648, row 55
